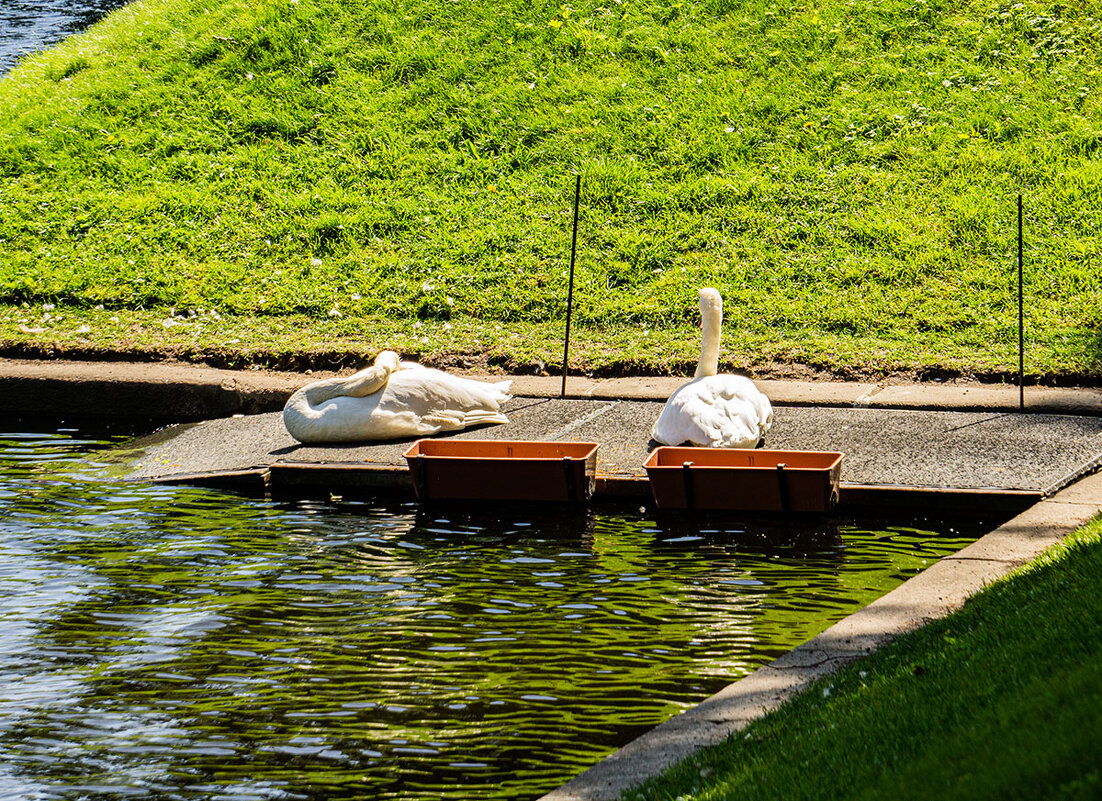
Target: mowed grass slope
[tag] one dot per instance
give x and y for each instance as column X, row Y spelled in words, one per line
column 280, row 175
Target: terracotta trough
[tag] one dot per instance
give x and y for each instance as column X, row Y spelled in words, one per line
column 511, row 470
column 751, row 480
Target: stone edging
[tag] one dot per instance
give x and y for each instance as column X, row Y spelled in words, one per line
column 192, row 392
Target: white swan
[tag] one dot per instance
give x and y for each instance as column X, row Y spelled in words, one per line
column 392, row 400
column 720, row 411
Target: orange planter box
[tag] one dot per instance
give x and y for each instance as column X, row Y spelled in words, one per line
column 752, row 480
column 512, row 470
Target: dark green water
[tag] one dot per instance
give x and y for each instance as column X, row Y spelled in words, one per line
column 176, row 643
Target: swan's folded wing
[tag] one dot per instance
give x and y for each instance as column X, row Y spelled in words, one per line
column 443, row 402
column 721, row 411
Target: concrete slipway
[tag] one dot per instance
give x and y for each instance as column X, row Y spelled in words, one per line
column 951, row 445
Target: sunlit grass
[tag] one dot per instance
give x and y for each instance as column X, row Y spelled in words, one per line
column 846, row 175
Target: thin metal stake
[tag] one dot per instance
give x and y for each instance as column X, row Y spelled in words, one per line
column 687, row 483
column 1021, row 316
column 782, row 488
column 570, row 291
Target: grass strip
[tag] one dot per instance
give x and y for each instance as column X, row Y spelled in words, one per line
column 845, row 174
column 1000, row 700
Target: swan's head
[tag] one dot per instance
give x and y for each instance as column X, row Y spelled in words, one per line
column 387, row 359
column 711, row 305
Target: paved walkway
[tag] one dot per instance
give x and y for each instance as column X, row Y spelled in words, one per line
column 190, row 392
column 1000, row 451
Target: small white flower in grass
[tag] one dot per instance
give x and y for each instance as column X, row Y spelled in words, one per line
column 169, row 322
column 99, row 307
column 315, row 262
column 730, row 129
column 449, row 300
column 335, row 312
column 48, row 307
column 427, row 287
column 249, row 76
column 84, row 329
column 826, row 692
column 356, row 296
column 447, row 326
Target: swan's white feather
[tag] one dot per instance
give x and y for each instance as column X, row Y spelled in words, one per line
column 415, row 401
column 719, row 411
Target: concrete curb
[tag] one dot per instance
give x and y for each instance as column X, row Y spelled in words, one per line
column 932, row 594
column 191, row 392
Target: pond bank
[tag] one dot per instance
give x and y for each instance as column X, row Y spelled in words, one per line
column 27, row 27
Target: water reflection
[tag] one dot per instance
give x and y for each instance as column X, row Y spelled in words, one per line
column 181, row 643
column 27, row 26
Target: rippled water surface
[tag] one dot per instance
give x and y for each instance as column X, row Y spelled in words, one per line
column 30, row 25
column 178, row 643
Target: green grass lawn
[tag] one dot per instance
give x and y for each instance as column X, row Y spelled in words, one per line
column 341, row 175
column 1001, row 700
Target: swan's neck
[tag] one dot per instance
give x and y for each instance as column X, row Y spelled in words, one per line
column 321, row 391
column 363, row 383
column 711, row 322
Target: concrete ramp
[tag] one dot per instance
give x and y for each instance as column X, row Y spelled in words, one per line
column 1019, row 456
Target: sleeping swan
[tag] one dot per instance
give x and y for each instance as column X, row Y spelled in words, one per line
column 391, row 400
column 720, row 411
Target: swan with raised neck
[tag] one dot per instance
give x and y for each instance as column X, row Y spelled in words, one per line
column 718, row 410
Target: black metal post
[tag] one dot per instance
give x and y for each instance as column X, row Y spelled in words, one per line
column 570, row 291
column 1021, row 316
column 687, row 483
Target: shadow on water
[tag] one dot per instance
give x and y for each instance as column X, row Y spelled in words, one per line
column 27, row 26
column 475, row 521
column 504, row 521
